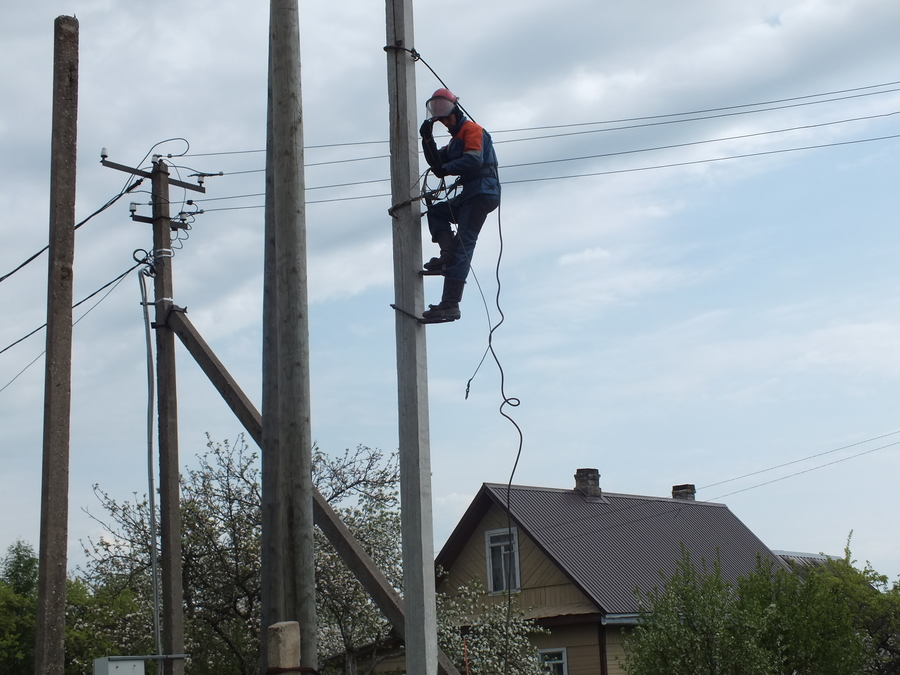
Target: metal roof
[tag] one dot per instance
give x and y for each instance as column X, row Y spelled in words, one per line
column 610, row 545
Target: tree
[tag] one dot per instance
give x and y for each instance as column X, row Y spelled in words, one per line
column 352, row 629
column 874, row 604
column 778, row 621
column 18, row 606
column 220, row 550
column 804, row 623
column 689, row 626
column 492, row 637
column 221, row 539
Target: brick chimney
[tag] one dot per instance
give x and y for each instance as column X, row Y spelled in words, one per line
column 587, row 482
column 686, row 492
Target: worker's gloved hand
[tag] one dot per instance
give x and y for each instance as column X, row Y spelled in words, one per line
column 425, row 130
column 439, row 173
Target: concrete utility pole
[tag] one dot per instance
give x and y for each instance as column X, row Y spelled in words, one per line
column 170, row 496
column 51, row 610
column 412, row 372
column 295, row 546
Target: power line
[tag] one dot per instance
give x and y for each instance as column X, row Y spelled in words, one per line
column 612, row 154
column 663, row 116
column 115, row 281
column 678, row 507
column 80, row 302
column 797, row 461
column 674, row 121
column 815, row 468
column 98, row 211
column 703, row 161
column 702, row 142
column 597, row 156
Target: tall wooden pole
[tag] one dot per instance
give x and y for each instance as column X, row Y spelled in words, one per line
column 51, row 611
column 296, row 546
column 272, row 522
column 169, row 495
column 412, row 372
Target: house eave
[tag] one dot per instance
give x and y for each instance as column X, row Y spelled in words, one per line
column 629, row 619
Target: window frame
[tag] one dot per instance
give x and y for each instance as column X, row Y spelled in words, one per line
column 555, row 650
column 517, row 581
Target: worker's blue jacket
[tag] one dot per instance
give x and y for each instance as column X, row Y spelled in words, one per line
column 469, row 155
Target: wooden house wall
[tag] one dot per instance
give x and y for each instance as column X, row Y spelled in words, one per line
column 542, row 582
column 582, row 644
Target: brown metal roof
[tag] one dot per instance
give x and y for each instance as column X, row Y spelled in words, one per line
column 610, row 545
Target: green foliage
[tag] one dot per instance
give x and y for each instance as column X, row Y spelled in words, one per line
column 351, row 627
column 221, row 521
column 689, row 626
column 494, row 637
column 804, row 624
column 874, row 604
column 831, row 619
column 19, row 569
column 18, row 605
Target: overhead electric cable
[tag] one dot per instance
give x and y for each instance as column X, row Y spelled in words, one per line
column 620, row 120
column 666, row 122
column 702, row 161
column 115, row 281
column 753, row 487
column 797, row 461
column 609, row 154
column 602, row 155
column 719, row 109
column 814, row 468
column 305, row 147
column 703, row 142
column 97, row 212
column 80, row 302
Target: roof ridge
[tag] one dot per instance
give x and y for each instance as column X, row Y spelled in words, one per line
column 538, row 488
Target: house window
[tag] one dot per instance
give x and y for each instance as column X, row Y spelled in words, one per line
column 553, row 661
column 502, row 560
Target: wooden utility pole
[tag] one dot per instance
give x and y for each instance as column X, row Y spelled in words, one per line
column 167, row 409
column 51, row 610
column 272, row 588
column 169, row 494
column 412, row 370
column 295, row 545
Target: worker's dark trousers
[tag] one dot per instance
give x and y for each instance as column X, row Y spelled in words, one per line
column 469, row 214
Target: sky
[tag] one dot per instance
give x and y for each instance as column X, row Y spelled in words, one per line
column 699, row 241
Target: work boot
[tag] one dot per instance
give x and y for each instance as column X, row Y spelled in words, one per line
column 447, row 243
column 448, row 309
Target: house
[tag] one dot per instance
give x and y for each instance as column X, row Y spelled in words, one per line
column 575, row 557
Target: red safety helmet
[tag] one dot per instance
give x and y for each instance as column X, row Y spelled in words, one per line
column 441, row 104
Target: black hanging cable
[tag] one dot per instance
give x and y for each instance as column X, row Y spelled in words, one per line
column 506, row 401
column 97, row 212
column 80, row 302
column 115, row 281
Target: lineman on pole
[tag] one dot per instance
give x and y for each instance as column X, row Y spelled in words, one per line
column 469, row 155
